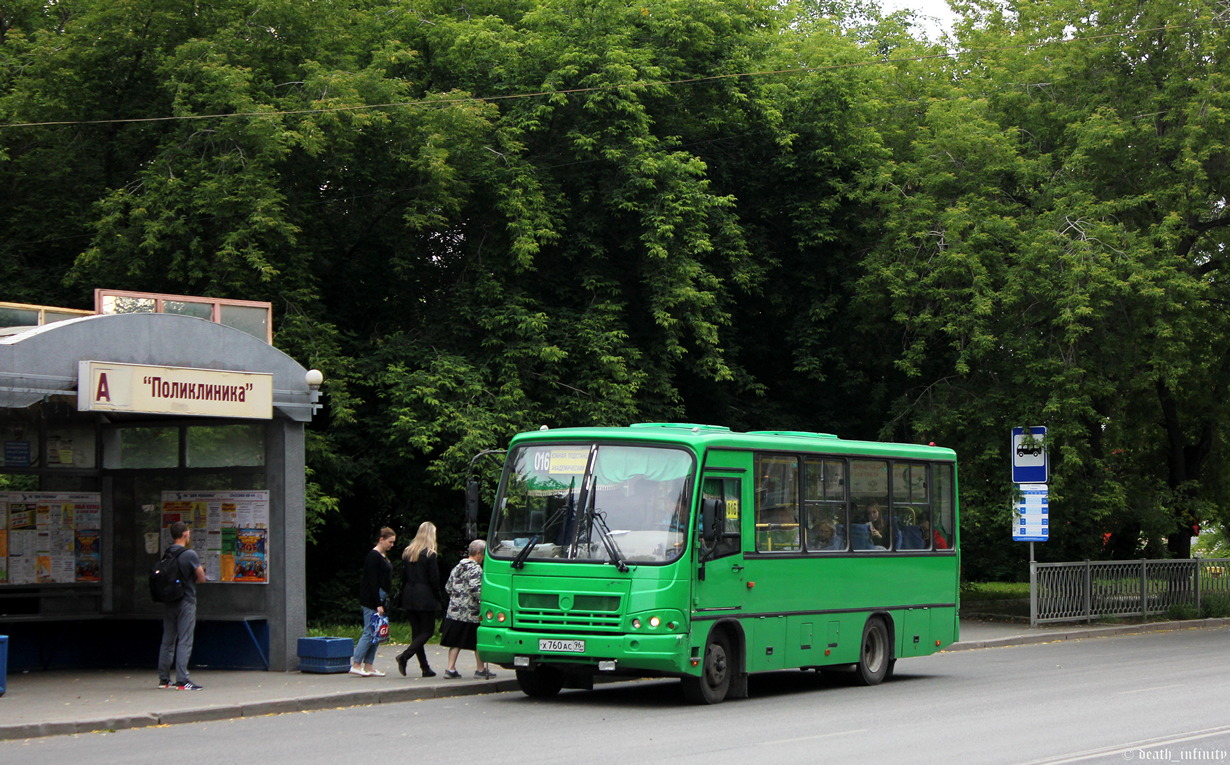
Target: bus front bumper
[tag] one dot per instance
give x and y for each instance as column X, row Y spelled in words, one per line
column 667, row 654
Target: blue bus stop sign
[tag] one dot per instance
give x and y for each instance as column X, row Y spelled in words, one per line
column 1033, row 514
column 1029, row 460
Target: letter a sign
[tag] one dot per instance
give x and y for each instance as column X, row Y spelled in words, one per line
column 103, row 393
column 114, row 387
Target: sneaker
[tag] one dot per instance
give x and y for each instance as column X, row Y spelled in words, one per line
column 375, row 673
column 189, row 686
column 429, row 672
column 165, row 684
column 484, row 674
column 360, row 672
column 451, row 674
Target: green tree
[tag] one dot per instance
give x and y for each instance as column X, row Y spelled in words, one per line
column 475, row 220
column 1053, row 254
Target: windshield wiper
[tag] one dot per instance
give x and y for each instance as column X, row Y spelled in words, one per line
column 524, row 552
column 608, row 541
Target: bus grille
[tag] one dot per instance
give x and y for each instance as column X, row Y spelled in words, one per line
column 543, row 611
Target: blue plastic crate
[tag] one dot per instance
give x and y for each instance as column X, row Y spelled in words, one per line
column 326, row 647
column 324, row 666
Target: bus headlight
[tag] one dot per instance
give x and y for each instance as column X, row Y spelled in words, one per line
column 664, row 622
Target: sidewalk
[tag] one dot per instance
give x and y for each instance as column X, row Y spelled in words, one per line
column 54, row 703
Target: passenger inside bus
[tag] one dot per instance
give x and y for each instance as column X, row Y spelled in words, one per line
column 826, row 535
column 936, row 537
column 877, row 528
column 872, row 532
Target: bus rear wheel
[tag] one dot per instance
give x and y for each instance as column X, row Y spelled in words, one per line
column 541, row 683
column 875, row 654
column 714, row 681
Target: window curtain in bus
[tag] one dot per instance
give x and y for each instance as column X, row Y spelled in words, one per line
column 617, row 464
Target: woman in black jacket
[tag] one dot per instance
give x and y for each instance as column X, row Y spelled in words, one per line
column 420, row 573
column 374, row 585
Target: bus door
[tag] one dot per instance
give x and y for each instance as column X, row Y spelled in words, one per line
column 720, row 587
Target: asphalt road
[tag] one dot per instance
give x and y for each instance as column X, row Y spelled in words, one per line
column 1156, row 697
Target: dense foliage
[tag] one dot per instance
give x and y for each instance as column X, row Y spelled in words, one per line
column 481, row 218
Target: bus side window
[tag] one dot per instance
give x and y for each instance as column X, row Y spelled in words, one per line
column 824, row 498
column 777, row 504
column 911, row 506
column 729, row 537
column 869, row 526
column 943, row 526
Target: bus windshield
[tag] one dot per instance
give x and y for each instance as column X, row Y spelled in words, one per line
column 593, row 502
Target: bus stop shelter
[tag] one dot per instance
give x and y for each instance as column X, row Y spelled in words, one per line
column 113, row 426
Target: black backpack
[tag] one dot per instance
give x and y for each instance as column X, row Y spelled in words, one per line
column 164, row 583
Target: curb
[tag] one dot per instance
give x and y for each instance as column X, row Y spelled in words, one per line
column 1088, row 632
column 365, row 697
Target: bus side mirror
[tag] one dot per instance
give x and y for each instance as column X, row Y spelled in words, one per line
column 711, row 511
column 471, row 508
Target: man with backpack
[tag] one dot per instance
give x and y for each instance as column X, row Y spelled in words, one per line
column 179, row 614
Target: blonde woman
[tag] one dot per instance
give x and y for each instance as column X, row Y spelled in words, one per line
column 420, row 574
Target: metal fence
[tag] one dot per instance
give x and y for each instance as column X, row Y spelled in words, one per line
column 1061, row 592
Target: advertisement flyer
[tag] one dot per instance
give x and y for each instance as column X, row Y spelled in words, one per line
column 39, row 533
column 229, row 531
column 250, row 555
column 88, row 550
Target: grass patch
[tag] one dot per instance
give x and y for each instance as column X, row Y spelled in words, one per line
column 974, row 591
column 399, row 632
column 1215, row 605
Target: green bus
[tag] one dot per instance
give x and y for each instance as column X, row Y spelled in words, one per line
column 697, row 552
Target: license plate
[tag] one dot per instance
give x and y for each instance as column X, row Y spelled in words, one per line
column 564, row 646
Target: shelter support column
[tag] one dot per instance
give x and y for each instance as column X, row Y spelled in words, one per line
column 287, row 601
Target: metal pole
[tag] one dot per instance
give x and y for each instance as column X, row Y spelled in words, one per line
column 1088, row 592
column 1144, row 589
column 1196, row 576
column 1033, row 588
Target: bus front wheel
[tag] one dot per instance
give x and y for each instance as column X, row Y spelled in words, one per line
column 875, row 655
column 714, row 681
column 541, row 683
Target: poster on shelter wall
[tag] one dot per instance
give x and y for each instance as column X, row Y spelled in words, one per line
column 230, row 531
column 250, row 556
column 88, row 555
column 38, row 537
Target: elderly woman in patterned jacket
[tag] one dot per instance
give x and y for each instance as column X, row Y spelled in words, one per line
column 460, row 628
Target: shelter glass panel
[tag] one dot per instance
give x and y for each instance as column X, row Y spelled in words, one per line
column 241, row 445
column 189, row 308
column 71, row 446
column 144, row 448
column 254, row 321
